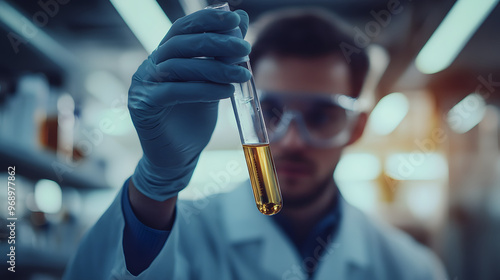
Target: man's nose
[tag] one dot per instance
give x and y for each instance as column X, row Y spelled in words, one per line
column 292, row 138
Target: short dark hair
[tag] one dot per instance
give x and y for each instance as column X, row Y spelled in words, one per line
column 309, row 33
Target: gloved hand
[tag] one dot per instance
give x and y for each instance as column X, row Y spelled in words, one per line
column 173, row 99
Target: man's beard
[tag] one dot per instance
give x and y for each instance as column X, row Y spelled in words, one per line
column 311, row 197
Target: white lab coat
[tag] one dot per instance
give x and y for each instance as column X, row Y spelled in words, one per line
column 225, row 237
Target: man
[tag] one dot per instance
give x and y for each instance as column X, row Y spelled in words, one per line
column 308, row 89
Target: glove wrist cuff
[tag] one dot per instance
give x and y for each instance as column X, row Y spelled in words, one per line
column 159, row 183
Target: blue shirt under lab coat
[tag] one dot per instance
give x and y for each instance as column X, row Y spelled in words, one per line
column 225, row 237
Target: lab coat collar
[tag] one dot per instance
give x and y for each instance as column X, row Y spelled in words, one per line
column 242, row 220
column 349, row 249
column 244, row 223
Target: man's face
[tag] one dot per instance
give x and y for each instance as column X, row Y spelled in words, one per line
column 303, row 171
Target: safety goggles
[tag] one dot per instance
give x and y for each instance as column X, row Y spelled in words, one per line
column 323, row 120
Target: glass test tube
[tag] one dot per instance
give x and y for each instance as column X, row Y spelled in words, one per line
column 254, row 137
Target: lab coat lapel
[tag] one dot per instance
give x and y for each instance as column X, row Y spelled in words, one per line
column 244, row 223
column 347, row 255
column 279, row 256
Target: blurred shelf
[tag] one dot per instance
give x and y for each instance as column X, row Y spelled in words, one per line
column 39, row 164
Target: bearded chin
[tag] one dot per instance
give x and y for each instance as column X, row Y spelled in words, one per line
column 310, row 197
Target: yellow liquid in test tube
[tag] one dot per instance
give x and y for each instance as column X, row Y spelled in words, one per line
column 252, row 130
column 263, row 178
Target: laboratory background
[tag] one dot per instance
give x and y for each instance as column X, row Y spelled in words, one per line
column 427, row 163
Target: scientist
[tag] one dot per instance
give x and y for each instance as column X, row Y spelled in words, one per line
column 304, row 76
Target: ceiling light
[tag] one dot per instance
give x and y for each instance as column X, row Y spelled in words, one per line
column 30, row 31
column 357, row 167
column 467, row 113
column 191, row 6
column 418, row 165
column 452, row 34
column 48, row 196
column 388, row 113
column 146, row 19
column 424, row 199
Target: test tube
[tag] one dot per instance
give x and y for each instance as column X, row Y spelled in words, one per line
column 253, row 136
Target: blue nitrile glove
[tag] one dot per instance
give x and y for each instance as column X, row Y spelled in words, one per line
column 173, row 99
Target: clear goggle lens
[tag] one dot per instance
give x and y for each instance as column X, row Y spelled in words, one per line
column 323, row 120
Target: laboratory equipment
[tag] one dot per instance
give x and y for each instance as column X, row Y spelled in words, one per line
column 253, row 136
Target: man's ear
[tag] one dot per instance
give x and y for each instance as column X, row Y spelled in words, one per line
column 359, row 127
